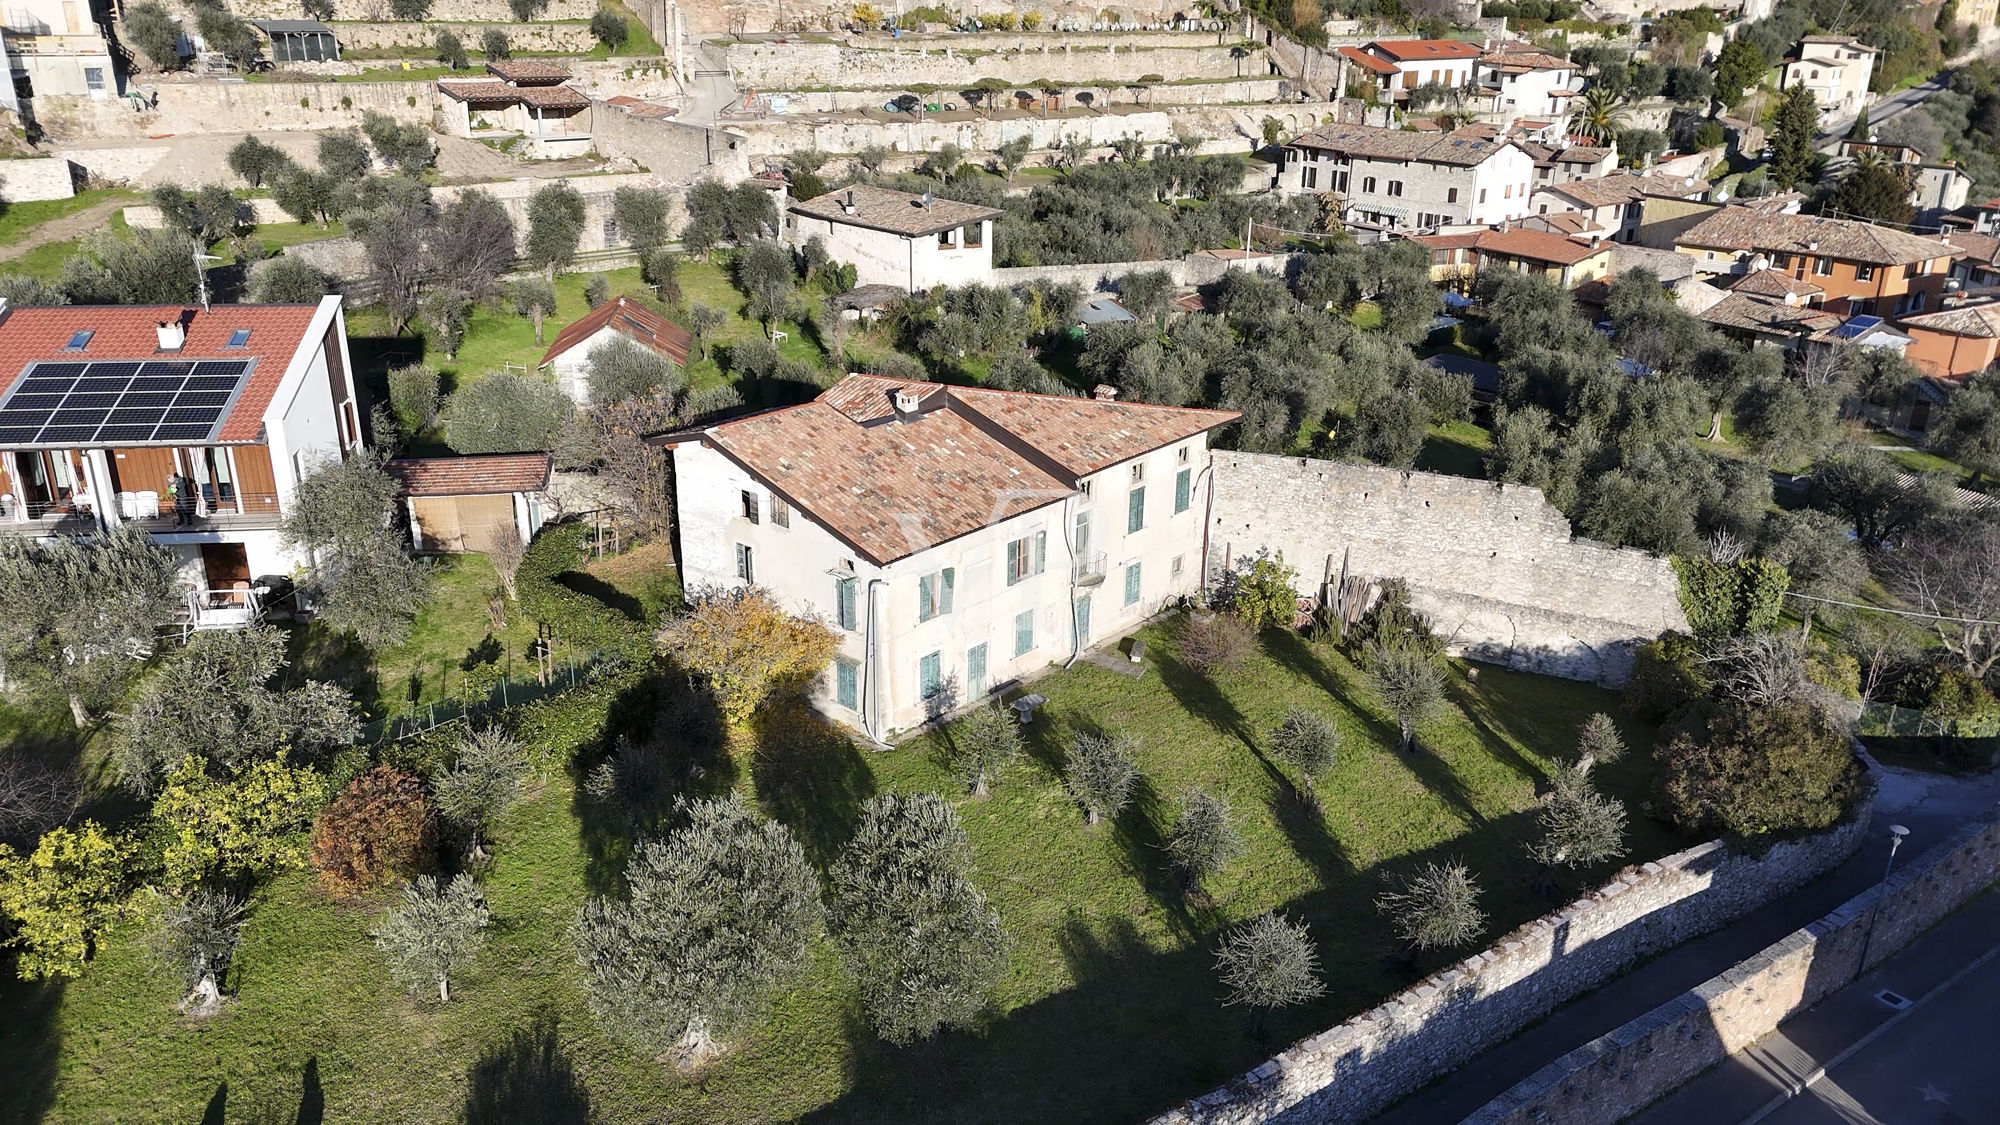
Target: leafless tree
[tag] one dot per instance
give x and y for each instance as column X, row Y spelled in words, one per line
column 1824, row 366
column 1954, row 572
column 1724, row 548
column 34, row 795
column 1762, row 669
column 506, row 554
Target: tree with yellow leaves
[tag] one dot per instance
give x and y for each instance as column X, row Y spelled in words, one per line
column 746, row 647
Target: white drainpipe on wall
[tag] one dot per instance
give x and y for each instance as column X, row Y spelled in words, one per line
column 871, row 678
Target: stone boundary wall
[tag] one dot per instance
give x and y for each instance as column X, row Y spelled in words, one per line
column 1220, row 128
column 1194, row 269
column 559, row 37
column 796, row 66
column 232, row 107
column 1630, row 1068
column 30, row 178
column 1493, row 565
column 1227, row 92
column 674, row 152
column 372, row 11
column 1356, row 1069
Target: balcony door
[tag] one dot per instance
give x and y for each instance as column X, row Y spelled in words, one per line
column 226, row 569
column 48, row 478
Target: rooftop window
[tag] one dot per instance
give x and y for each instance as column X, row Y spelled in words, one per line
column 79, row 340
column 239, row 338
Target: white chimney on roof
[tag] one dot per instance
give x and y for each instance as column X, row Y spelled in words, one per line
column 1104, row 392
column 173, row 336
column 908, row 400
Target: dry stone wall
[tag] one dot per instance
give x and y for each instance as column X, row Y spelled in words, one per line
column 1212, row 128
column 1493, row 565
column 1648, row 1058
column 468, row 11
column 232, row 107
column 802, row 66
column 1354, row 1070
column 710, row 16
column 1225, row 92
column 556, row 37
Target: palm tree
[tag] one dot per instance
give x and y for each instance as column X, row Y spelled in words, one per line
column 1599, row 117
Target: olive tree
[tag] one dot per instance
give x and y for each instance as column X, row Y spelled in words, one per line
column 1100, row 774
column 1433, row 907
column 981, row 745
column 919, row 937
column 555, row 227
column 505, row 412
column 1268, row 963
column 194, row 937
column 483, row 784
column 434, row 933
column 82, row 613
column 713, row 918
column 1306, row 741
column 360, row 579
column 1203, row 839
column 622, row 368
column 1409, row 684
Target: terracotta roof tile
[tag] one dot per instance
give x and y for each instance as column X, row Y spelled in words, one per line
column 277, row 333
column 526, row 70
column 1409, row 50
column 897, row 212
column 553, row 97
column 1396, row 144
column 1369, row 62
column 1776, row 283
column 478, row 90
column 892, row 485
column 484, row 474
column 1981, row 321
column 1745, row 229
column 632, row 319
column 1761, row 314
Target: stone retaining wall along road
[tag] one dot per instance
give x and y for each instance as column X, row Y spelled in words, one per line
column 232, row 107
column 1649, row 1058
column 1354, row 1070
column 800, row 66
column 555, row 37
column 1493, row 565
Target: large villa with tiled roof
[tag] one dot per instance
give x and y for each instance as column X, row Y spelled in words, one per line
column 955, row 538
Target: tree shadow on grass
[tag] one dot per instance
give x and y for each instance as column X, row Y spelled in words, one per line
column 810, row 776
column 591, row 586
column 660, row 741
column 1200, row 697
column 315, row 652
column 529, row 1080
column 31, row 1043
column 1496, row 743
column 1144, row 1028
column 1137, row 830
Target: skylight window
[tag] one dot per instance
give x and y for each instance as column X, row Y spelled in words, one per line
column 239, row 338
column 80, row 340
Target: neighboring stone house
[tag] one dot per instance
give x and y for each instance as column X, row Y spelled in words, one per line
column 522, row 97
column 1388, row 179
column 1836, row 68
column 1616, row 202
column 1362, row 71
column 955, row 538
column 1520, row 80
column 473, row 503
column 568, row 357
column 1860, row 267
column 57, row 47
column 913, row 242
column 1457, row 259
column 101, row 405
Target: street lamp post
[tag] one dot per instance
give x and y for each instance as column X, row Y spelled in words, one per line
column 1896, row 834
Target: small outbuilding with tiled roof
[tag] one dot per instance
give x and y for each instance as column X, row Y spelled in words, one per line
column 472, row 503
column 568, row 356
column 899, row 238
column 1954, row 342
column 525, row 97
column 954, row 538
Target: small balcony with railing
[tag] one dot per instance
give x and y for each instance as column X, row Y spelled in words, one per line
column 1088, row 569
column 212, row 509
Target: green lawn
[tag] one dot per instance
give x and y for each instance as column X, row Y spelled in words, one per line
column 17, row 219
column 1459, row 449
column 1110, row 1011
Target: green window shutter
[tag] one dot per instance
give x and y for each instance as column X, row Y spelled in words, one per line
column 1024, row 632
column 1041, row 552
column 847, row 684
column 1183, row 490
column 1135, row 510
column 926, row 605
column 1132, row 584
column 944, row 598
column 843, row 594
column 930, row 675
column 975, row 671
column 1014, row 561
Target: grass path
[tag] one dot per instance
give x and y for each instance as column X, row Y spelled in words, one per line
column 66, row 227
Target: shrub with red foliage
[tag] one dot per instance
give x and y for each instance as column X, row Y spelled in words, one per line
column 379, row 828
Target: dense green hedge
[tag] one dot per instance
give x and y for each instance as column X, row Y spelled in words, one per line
column 1730, row 599
column 546, row 589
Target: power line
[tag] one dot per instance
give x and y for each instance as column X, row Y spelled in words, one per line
column 1897, row 612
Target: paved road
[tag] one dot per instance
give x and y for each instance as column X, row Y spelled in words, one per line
column 1930, row 806
column 1935, row 1060
column 710, row 90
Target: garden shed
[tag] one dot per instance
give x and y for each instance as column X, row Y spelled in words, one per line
column 458, row 504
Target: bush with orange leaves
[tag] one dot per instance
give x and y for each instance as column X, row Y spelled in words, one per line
column 379, row 828
column 746, row 647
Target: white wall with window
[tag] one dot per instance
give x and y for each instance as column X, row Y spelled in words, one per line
column 967, row 615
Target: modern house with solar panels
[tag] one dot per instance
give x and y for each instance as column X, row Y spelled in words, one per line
column 103, row 408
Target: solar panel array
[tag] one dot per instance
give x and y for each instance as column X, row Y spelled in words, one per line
column 121, row 402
